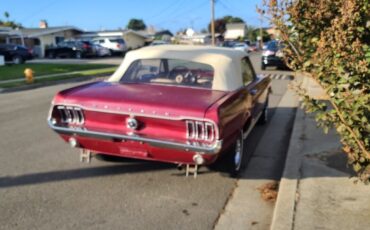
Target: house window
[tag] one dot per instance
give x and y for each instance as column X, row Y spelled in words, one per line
column 58, row 39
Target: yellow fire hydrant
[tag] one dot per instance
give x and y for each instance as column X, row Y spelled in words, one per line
column 28, row 74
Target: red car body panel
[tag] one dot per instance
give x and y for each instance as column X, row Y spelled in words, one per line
column 106, row 107
column 157, row 122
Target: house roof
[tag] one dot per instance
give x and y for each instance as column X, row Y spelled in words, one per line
column 163, row 32
column 110, row 33
column 36, row 32
column 225, row 62
column 230, row 26
column 5, row 30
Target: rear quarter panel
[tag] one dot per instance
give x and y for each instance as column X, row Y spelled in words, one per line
column 237, row 109
column 230, row 114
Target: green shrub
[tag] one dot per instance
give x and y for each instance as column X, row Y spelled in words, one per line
column 329, row 40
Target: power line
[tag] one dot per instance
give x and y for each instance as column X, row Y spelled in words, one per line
column 40, row 10
column 182, row 12
column 179, row 3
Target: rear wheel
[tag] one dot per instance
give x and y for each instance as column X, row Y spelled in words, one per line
column 78, row 55
column 51, row 55
column 18, row 60
column 234, row 160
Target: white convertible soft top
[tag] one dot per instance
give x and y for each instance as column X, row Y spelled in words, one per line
column 226, row 62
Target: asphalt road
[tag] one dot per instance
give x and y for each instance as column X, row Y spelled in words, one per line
column 44, row 186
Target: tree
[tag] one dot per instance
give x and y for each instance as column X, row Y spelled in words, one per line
column 220, row 23
column 329, row 42
column 231, row 19
column 6, row 15
column 9, row 23
column 136, row 24
column 253, row 32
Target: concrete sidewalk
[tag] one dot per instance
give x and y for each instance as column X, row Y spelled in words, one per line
column 316, row 191
column 246, row 209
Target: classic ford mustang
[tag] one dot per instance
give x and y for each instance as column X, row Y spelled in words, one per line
column 188, row 105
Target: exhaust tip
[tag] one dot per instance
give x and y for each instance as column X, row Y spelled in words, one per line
column 198, row 159
column 73, row 142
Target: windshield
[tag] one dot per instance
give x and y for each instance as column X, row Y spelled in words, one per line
column 169, row 72
column 274, row 46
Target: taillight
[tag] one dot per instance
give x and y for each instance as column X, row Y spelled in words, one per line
column 200, row 130
column 85, row 46
column 71, row 115
column 118, row 45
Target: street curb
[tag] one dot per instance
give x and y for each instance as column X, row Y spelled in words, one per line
column 51, row 83
column 239, row 212
column 283, row 216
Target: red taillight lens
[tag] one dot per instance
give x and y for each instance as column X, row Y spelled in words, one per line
column 118, row 45
column 72, row 116
column 85, row 46
column 200, row 130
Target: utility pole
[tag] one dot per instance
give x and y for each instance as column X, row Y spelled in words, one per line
column 261, row 30
column 213, row 22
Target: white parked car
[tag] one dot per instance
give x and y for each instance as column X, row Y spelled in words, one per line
column 241, row 46
column 101, row 51
column 115, row 45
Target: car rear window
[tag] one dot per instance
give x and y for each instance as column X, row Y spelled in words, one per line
column 169, row 72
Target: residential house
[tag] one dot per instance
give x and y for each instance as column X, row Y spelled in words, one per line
column 164, row 35
column 273, row 32
column 40, row 38
column 235, row 31
column 133, row 39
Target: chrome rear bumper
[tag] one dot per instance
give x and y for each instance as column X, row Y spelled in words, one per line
column 193, row 147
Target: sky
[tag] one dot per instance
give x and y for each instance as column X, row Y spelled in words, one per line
column 113, row 14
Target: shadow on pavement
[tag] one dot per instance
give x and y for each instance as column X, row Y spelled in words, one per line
column 81, row 173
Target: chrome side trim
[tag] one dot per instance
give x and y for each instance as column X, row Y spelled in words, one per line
column 213, row 149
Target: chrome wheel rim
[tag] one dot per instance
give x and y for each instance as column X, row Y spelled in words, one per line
column 17, row 60
column 238, row 154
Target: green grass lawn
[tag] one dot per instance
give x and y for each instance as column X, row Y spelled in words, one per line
column 16, row 71
column 87, row 73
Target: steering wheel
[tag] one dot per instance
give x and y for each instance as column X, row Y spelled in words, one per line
column 178, row 70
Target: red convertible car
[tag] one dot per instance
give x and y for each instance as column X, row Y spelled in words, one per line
column 187, row 105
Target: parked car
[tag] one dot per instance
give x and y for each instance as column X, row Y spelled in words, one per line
column 253, row 47
column 159, row 42
column 101, row 51
column 71, row 49
column 241, row 46
column 180, row 104
column 16, row 54
column 115, row 45
column 229, row 44
column 273, row 56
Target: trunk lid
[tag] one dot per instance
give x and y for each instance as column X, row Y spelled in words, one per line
column 146, row 99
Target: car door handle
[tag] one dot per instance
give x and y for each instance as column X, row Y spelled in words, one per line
column 253, row 91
